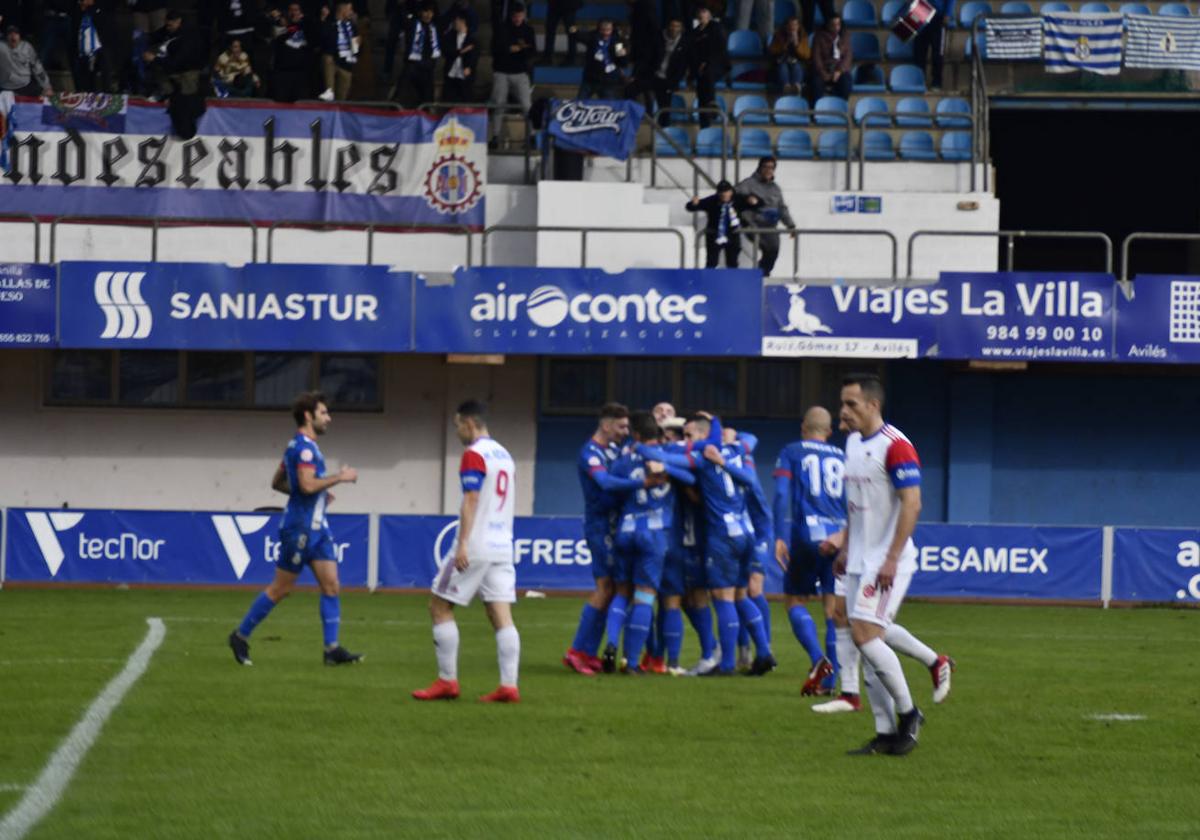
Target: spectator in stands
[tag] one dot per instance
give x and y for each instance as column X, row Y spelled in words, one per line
column 761, row 11
column 20, row 69
column 149, row 15
column 234, row 19
column 831, row 60
column 644, row 34
column 931, row 42
column 89, row 66
column 603, row 70
column 767, row 210
column 174, row 62
column 340, row 45
column 458, row 7
column 789, row 53
column 462, row 57
column 234, row 71
column 709, row 59
column 515, row 48
column 721, row 232
column 424, row 50
column 561, row 11
column 659, row 78
column 56, row 30
column 808, row 12
column 294, row 54
column 400, row 14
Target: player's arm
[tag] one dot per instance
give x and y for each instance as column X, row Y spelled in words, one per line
column 619, row 484
column 905, row 470
column 310, row 484
column 466, row 521
column 749, row 441
column 680, row 475
column 670, row 459
column 783, row 492
column 742, row 475
column 279, row 483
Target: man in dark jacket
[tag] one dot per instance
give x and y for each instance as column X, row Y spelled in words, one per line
column 174, row 62
column 561, row 11
column 234, row 19
column 294, row 54
column 603, row 70
column 514, row 48
column 709, row 59
column 831, row 58
column 768, row 210
column 659, row 76
column 89, row 67
column 462, row 56
column 721, row 231
column 424, row 51
column 340, row 43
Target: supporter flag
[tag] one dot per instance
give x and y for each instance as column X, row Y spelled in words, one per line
column 601, row 127
column 1010, row 39
column 1162, row 42
column 7, row 100
column 1083, row 42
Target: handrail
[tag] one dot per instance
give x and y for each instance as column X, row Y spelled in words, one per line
column 507, row 108
column 737, row 158
column 685, row 154
column 696, row 169
column 889, row 118
column 583, row 231
column 797, row 233
column 1010, row 237
column 1145, row 235
column 154, row 223
column 369, row 228
column 37, row 230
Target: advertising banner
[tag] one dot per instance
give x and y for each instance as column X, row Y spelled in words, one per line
column 1159, row 320
column 601, row 127
column 1156, row 564
column 28, row 305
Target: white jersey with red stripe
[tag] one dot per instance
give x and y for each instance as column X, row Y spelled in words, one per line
column 877, row 468
column 488, row 469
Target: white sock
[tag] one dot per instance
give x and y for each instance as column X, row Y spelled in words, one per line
column 445, row 642
column 847, row 659
column 882, row 705
column 887, row 668
column 508, row 651
column 904, row 642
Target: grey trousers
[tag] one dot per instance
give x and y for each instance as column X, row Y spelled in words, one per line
column 505, row 87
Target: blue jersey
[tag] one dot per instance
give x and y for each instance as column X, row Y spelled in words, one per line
column 812, row 474
column 595, row 459
column 646, row 508
column 724, row 497
column 305, row 511
column 756, row 499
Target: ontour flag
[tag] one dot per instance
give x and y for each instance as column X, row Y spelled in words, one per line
column 1162, row 42
column 1083, row 42
column 1010, row 39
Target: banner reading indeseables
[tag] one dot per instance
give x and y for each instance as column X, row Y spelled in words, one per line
column 262, row 162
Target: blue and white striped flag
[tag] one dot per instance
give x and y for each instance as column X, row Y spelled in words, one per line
column 1162, row 42
column 1010, row 39
column 1083, row 42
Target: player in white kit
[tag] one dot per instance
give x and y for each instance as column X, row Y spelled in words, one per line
column 481, row 560
column 883, row 501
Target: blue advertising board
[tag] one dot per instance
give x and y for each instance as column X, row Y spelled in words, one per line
column 209, row 306
column 587, row 311
column 601, row 127
column 163, row 547
column 1156, row 564
column 28, row 305
column 1159, row 320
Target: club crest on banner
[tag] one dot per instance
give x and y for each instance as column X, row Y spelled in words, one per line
column 453, row 184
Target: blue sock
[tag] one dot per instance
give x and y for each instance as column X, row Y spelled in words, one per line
column 764, row 609
column 701, row 621
column 331, row 618
column 654, row 645
column 672, row 629
column 258, row 611
column 752, row 618
column 831, row 644
column 806, row 631
column 727, row 630
column 587, row 624
column 743, row 635
column 641, row 618
column 616, row 619
column 596, row 632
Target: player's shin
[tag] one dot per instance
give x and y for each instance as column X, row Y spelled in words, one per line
column 752, row 619
column 805, row 630
column 764, row 609
column 882, row 706
column 258, row 611
column 672, row 625
column 701, row 620
column 618, row 613
column 638, row 628
column 508, row 653
column 887, row 668
column 331, row 619
column 848, row 660
column 445, row 643
column 900, row 640
column 831, row 646
column 727, row 631
column 587, row 640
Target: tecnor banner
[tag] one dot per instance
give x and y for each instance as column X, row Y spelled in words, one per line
column 102, row 155
column 28, row 306
column 1156, row 564
column 602, row 127
column 163, row 547
column 583, row 311
column 1159, row 320
column 204, row 306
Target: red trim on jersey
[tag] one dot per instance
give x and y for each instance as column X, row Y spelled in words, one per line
column 687, row 451
column 304, row 465
column 472, row 461
column 599, row 468
column 901, row 452
column 780, row 472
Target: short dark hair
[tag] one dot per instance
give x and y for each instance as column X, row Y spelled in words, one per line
column 515, row 7
column 871, row 387
column 699, row 418
column 307, row 403
column 613, row 411
column 644, row 426
column 603, row 21
column 474, row 409
column 765, row 160
column 174, row 14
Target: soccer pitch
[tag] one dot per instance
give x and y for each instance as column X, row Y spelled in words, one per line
column 202, row 748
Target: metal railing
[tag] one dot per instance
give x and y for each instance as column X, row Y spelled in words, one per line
column 687, row 153
column 583, row 231
column 507, row 108
column 155, row 224
column 1010, row 237
column 37, row 231
column 370, row 229
column 842, row 116
column 796, row 235
column 1142, row 236
column 889, row 119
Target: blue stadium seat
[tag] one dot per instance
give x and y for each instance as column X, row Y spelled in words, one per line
column 1016, row 7
column 858, row 14
column 948, row 107
column 972, row 10
column 917, row 145
column 871, row 105
column 1135, row 9
column 745, row 76
column 549, row 75
column 710, row 141
column 898, row 50
column 743, row 43
column 890, row 11
column 618, row 12
column 913, row 110
column 677, row 101
column 907, row 78
column 792, row 103
column 784, row 9
column 864, row 46
column 877, row 145
column 833, row 144
column 868, row 78
column 794, row 144
column 1174, row 10
column 1054, row 6
column 748, row 101
column 754, row 142
column 718, row 103
column 830, row 103
column 664, row 149
column 1094, row 9
column 956, row 145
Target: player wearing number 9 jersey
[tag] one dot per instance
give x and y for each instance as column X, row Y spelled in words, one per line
column 481, row 560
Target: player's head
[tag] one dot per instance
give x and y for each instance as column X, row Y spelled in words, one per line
column 697, row 428
column 311, row 411
column 663, row 412
column 644, row 427
column 174, row 20
column 614, row 422
column 672, row 429
column 728, row 435
column 817, row 425
column 862, row 402
column 470, row 421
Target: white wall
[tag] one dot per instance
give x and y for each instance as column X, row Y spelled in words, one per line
column 407, row 456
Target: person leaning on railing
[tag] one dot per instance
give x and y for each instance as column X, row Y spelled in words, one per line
column 20, row 70
column 768, row 209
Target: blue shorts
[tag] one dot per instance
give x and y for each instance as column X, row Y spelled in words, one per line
column 809, row 572
column 674, row 580
column 600, row 544
column 762, row 556
column 727, row 561
column 640, row 558
column 694, row 574
column 299, row 548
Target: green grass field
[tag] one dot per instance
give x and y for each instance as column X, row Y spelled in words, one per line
column 201, row 748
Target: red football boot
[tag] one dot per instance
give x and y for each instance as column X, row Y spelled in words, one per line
column 578, row 662
column 440, row 690
column 503, row 694
column 819, row 672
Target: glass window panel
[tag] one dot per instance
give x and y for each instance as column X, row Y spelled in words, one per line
column 709, row 386
column 81, row 375
column 279, row 377
column 216, row 378
column 350, row 381
column 773, row 388
column 577, row 383
column 148, row 377
column 641, row 383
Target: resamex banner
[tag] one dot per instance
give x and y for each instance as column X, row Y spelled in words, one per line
column 163, row 547
column 28, row 305
column 589, row 311
column 208, row 306
column 1156, row 564
column 601, row 127
column 78, row 155
column 1158, row 320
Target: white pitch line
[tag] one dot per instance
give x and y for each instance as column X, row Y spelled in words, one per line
column 1117, row 716
column 41, row 797
column 5, row 663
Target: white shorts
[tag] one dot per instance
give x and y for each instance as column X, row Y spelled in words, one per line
column 865, row 602
column 495, row 582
